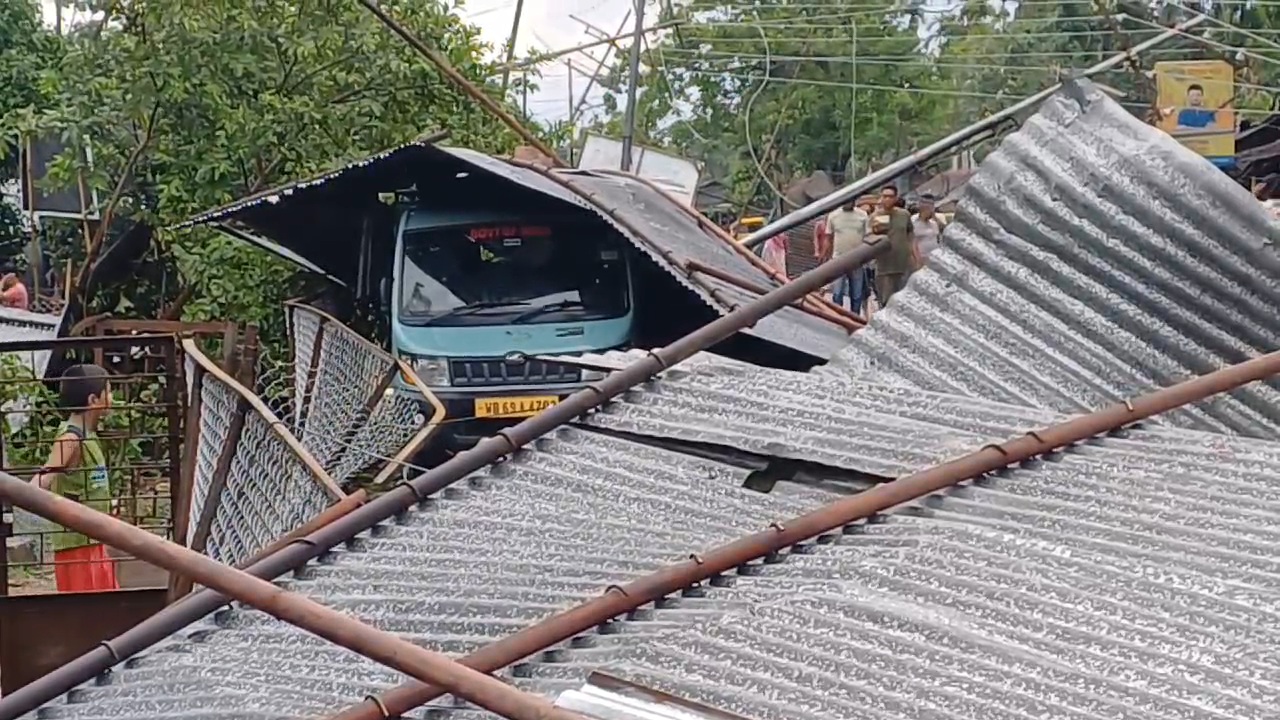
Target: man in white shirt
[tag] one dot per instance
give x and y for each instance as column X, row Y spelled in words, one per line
column 927, row 227
column 847, row 227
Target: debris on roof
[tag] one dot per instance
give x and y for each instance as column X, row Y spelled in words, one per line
column 1093, row 258
column 604, row 697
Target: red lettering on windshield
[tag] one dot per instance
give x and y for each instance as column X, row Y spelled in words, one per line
column 503, row 232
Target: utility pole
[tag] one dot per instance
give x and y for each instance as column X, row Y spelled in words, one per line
column 591, row 83
column 853, row 101
column 511, row 46
column 633, row 79
column 573, row 136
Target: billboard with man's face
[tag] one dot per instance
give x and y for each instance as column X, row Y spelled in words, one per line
column 1195, row 99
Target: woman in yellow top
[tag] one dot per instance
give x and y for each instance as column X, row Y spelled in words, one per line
column 77, row 470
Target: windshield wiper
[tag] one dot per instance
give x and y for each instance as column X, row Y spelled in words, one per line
column 478, row 306
column 544, row 309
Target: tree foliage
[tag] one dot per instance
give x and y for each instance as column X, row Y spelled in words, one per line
column 896, row 76
column 190, row 105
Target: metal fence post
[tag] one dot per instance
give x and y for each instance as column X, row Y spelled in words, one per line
column 185, row 490
column 221, row 473
column 317, row 345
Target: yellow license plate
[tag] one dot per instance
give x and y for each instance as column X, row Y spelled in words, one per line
column 512, row 407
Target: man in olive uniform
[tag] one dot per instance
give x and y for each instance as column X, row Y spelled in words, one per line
column 896, row 265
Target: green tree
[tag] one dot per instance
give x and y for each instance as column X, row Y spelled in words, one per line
column 190, row 105
column 26, row 48
column 716, row 89
column 768, row 91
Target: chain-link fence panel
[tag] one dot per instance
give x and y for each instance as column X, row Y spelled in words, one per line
column 355, row 406
column 251, row 480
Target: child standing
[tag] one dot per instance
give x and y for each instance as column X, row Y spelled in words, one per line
column 77, row 470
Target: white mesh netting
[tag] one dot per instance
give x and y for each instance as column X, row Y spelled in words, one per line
column 271, row 485
column 343, row 399
column 338, row 408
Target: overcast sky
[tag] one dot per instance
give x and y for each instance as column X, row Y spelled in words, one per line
column 545, row 25
column 549, row 25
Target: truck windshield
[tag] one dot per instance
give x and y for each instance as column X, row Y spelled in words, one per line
column 512, row 274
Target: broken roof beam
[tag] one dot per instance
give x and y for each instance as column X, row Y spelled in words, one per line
column 779, row 536
column 903, row 165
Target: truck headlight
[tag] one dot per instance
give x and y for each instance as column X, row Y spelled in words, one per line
column 432, row 371
column 592, row 375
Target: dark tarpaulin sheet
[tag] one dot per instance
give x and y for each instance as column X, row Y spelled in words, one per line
column 1093, row 258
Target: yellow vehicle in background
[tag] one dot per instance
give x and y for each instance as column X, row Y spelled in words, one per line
column 747, row 225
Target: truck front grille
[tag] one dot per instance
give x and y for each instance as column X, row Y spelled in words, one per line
column 487, row 372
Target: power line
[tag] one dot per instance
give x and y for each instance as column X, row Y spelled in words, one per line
column 895, row 88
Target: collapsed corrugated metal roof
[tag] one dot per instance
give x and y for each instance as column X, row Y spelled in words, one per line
column 821, row 420
column 1093, row 258
column 1123, row 578
column 297, row 216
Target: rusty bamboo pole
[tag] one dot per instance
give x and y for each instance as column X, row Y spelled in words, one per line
column 459, row 81
column 383, row 647
column 785, row 533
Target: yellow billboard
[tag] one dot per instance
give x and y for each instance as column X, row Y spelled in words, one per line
column 1195, row 99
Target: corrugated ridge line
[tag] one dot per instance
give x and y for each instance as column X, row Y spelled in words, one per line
column 1005, row 597
column 1113, row 259
column 537, row 534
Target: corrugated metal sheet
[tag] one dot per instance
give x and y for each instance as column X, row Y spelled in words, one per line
column 1141, row 589
column 1126, row 578
column 800, row 416
column 537, row 534
column 1093, row 258
column 20, row 325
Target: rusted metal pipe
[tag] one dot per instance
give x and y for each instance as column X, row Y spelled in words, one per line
column 782, row 534
column 378, row 645
column 199, row 604
column 459, row 81
column 694, row 266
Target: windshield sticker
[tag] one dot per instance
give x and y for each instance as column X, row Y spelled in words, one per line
column 504, row 232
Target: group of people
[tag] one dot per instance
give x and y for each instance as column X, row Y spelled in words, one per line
column 911, row 237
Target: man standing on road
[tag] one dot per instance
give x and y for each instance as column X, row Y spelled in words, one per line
column 896, row 264
column 847, row 227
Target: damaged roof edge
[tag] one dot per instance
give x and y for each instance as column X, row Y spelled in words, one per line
column 272, row 195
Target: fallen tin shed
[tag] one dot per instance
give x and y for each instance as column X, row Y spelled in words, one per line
column 314, row 223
